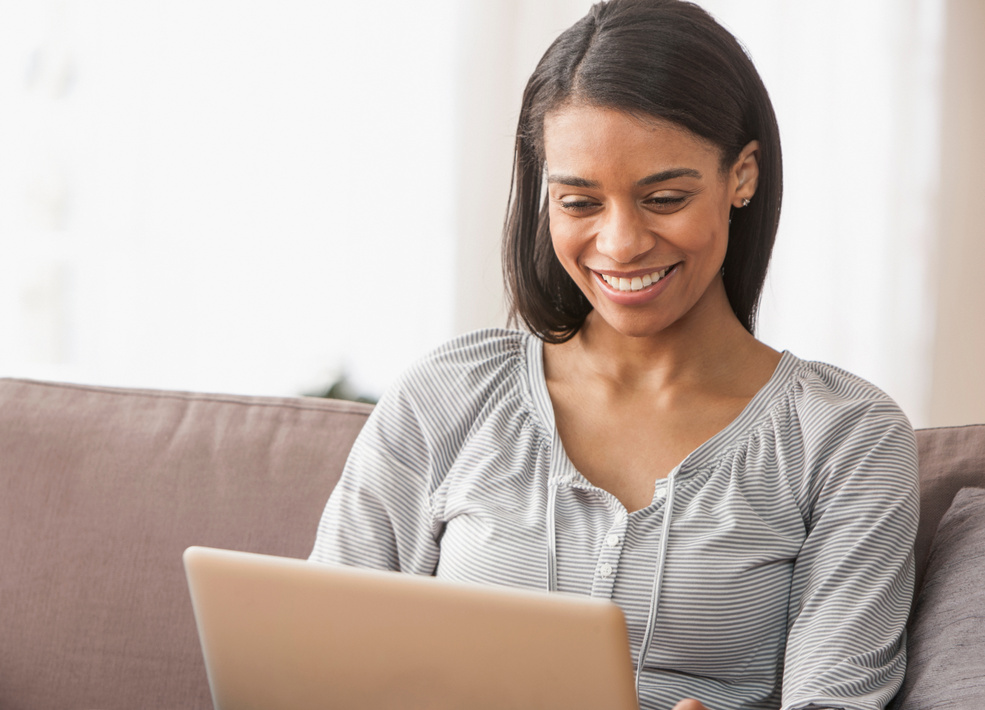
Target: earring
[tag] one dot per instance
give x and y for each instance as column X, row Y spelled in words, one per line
column 745, row 201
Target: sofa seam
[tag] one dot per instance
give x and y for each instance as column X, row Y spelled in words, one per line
column 345, row 408
column 953, row 426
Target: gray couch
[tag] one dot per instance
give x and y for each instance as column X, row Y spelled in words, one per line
column 102, row 489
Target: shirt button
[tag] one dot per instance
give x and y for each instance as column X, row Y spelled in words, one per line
column 612, row 540
column 605, row 570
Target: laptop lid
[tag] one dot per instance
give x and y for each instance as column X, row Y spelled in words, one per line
column 296, row 635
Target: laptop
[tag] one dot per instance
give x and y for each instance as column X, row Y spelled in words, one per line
column 289, row 634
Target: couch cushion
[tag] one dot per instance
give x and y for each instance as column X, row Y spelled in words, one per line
column 100, row 492
column 946, row 643
column 951, row 458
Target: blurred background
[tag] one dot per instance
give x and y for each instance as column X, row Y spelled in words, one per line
column 262, row 197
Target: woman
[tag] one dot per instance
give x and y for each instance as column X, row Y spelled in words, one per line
column 752, row 513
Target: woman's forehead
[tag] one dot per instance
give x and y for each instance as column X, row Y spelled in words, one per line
column 579, row 137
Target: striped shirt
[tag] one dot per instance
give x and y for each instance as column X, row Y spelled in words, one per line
column 772, row 569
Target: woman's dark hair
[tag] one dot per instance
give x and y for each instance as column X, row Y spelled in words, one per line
column 650, row 58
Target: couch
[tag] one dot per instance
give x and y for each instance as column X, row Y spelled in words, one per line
column 101, row 489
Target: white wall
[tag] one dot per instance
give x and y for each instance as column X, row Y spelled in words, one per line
column 223, row 195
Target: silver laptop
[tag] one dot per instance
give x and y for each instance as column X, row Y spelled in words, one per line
column 290, row 634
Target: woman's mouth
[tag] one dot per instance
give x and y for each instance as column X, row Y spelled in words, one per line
column 636, row 283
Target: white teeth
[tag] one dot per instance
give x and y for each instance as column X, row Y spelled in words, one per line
column 636, row 283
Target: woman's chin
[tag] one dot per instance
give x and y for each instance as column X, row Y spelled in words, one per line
column 629, row 325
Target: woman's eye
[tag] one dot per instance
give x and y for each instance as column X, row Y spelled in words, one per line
column 578, row 205
column 657, row 202
column 666, row 201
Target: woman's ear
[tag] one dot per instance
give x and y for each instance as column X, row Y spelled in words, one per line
column 744, row 176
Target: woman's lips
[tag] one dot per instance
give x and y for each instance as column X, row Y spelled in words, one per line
column 635, row 289
column 635, row 283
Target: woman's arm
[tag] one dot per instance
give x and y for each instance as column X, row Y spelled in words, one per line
column 852, row 582
column 379, row 514
column 853, row 579
column 382, row 513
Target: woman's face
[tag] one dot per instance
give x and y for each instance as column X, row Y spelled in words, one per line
column 639, row 214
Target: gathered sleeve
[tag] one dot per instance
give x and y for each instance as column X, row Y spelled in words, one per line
column 384, row 512
column 379, row 514
column 853, row 579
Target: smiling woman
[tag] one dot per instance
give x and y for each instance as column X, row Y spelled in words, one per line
column 724, row 111
column 639, row 213
column 646, row 178
column 637, row 442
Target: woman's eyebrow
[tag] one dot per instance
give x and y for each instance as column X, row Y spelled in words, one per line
column 663, row 175
column 668, row 175
column 570, row 181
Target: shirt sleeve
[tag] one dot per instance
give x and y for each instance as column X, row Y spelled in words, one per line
column 383, row 512
column 379, row 514
column 853, row 579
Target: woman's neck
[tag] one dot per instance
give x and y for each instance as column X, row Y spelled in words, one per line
column 707, row 348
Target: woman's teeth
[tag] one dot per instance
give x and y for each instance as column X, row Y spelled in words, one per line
column 636, row 283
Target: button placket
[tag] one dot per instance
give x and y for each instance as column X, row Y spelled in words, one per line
column 610, row 551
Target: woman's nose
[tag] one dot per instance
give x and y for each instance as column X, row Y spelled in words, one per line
column 623, row 236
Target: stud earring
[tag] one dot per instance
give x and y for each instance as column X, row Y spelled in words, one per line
column 745, row 201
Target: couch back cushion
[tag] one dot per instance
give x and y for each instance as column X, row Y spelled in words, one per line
column 951, row 458
column 946, row 643
column 100, row 492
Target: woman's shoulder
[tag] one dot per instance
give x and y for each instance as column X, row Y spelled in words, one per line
column 823, row 392
column 479, row 347
column 447, row 387
column 831, row 412
column 471, row 359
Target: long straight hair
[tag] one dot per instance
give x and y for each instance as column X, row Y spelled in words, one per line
column 663, row 59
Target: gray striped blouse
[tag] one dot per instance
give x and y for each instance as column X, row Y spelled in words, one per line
column 773, row 568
